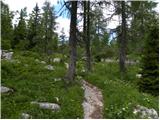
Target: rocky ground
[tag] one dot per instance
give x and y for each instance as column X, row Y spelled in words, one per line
column 93, row 102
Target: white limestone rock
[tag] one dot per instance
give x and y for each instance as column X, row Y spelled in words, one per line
column 138, row 75
column 93, row 101
column 26, row 116
column 5, row 89
column 57, row 60
column 46, row 105
column 49, row 67
column 7, row 55
column 145, row 112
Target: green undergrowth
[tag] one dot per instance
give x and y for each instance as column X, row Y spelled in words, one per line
column 31, row 81
column 120, row 96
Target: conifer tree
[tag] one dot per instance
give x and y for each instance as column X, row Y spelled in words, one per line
column 49, row 37
column 34, row 27
column 150, row 66
column 20, row 32
column 6, row 26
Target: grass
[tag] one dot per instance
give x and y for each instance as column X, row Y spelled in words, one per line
column 120, row 96
column 32, row 82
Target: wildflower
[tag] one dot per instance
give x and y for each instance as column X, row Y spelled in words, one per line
column 123, row 109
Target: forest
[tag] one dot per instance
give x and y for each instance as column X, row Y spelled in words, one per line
column 94, row 72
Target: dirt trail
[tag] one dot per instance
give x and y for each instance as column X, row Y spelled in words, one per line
column 93, row 102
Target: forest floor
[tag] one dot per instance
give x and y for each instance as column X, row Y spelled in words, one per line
column 32, row 78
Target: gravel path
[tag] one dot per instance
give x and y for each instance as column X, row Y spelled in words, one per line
column 93, row 102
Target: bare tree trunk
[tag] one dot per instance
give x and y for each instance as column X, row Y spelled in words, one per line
column 123, row 42
column 88, row 50
column 72, row 43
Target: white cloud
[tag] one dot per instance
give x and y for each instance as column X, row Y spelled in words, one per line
column 30, row 4
column 63, row 23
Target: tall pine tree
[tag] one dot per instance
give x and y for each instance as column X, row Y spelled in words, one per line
column 20, row 32
column 34, row 28
column 49, row 37
column 150, row 63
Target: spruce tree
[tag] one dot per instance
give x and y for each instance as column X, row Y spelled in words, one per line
column 49, row 40
column 34, row 28
column 6, row 26
column 150, row 67
column 20, row 32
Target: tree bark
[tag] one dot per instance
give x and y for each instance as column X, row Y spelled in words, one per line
column 123, row 42
column 72, row 43
column 88, row 50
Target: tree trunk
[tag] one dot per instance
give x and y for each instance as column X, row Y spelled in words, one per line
column 123, row 42
column 72, row 43
column 88, row 50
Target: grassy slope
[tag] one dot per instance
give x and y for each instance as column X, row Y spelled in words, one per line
column 35, row 83
column 120, row 97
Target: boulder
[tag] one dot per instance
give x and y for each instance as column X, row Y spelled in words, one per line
column 46, row 105
column 49, row 67
column 144, row 112
column 5, row 89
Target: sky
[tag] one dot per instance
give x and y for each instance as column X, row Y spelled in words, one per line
column 63, row 22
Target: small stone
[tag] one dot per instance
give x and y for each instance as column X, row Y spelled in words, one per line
column 56, row 60
column 7, row 55
column 49, row 67
column 138, row 75
column 26, row 116
column 5, row 89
